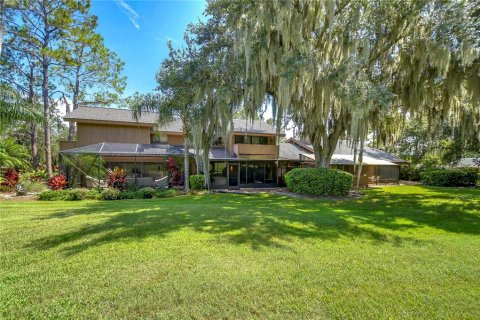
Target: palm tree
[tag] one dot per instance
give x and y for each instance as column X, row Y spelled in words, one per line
column 13, row 155
column 13, row 107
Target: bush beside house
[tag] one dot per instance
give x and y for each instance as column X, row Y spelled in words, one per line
column 106, row 194
column 313, row 181
column 197, row 182
column 451, row 177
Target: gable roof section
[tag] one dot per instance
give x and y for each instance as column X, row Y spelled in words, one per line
column 125, row 116
column 255, row 126
column 110, row 115
column 345, row 149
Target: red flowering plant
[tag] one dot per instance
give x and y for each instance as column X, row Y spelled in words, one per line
column 173, row 172
column 57, row 182
column 10, row 178
column 116, row 178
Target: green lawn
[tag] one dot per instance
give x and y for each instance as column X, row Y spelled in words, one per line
column 399, row 252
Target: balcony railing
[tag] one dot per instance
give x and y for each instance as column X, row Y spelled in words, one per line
column 255, row 149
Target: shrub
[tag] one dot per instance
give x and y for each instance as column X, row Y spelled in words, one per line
column 117, row 178
column 450, row 177
column 127, row 194
column 313, row 181
column 51, row 195
column 146, row 193
column 93, row 194
column 10, row 178
column 57, row 182
column 410, row 173
column 110, row 194
column 35, row 176
column 34, row 186
column 166, row 193
column 175, row 175
column 197, row 182
column 75, row 194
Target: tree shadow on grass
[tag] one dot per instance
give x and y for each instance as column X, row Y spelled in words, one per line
column 266, row 220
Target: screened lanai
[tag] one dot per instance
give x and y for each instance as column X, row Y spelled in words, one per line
column 144, row 164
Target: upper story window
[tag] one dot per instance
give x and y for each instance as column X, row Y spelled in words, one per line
column 159, row 137
column 251, row 140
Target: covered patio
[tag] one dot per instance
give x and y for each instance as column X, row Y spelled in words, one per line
column 143, row 163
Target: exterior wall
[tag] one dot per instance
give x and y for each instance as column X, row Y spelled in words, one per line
column 89, row 133
column 255, row 149
column 175, row 140
column 65, row 145
column 262, row 151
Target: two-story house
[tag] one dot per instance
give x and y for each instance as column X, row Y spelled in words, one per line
column 248, row 157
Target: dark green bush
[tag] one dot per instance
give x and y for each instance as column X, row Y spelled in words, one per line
column 146, row 193
column 450, row 177
column 74, row 194
column 51, row 195
column 128, row 194
column 70, row 195
column 313, row 181
column 166, row 193
column 110, row 194
column 197, row 182
column 410, row 173
column 93, row 194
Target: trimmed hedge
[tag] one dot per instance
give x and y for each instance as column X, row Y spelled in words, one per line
column 106, row 194
column 110, row 194
column 197, row 182
column 69, row 195
column 451, row 177
column 316, row 181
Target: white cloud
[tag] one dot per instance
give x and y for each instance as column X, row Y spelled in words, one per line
column 131, row 14
column 165, row 39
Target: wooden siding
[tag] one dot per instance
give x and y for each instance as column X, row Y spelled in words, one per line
column 88, row 133
column 175, row 140
column 66, row 145
column 256, row 149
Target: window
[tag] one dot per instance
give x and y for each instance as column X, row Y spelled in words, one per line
column 251, row 140
column 159, row 137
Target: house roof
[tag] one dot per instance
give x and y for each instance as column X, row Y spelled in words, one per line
column 254, row 126
column 127, row 149
column 125, row 116
column 345, row 148
column 96, row 114
column 292, row 151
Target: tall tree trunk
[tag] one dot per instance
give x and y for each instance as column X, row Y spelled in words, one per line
column 76, row 93
column 33, row 146
column 2, row 22
column 46, row 114
column 186, row 168
column 33, row 125
column 323, row 149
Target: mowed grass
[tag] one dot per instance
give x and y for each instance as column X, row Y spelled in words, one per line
column 399, row 252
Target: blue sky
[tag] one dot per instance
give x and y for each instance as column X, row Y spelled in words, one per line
column 138, row 32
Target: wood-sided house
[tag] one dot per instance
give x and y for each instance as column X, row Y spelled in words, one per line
column 248, row 157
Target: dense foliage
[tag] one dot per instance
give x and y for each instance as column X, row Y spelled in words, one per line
column 451, row 177
column 10, row 178
column 319, row 181
column 58, row 182
column 106, row 194
column 197, row 182
column 410, row 173
column 174, row 173
column 116, row 178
